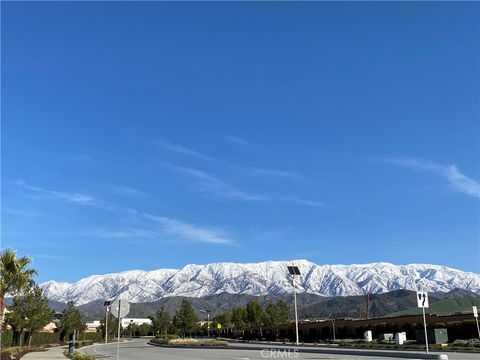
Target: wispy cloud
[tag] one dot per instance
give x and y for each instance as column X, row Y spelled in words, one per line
column 48, row 257
column 185, row 151
column 191, row 232
column 21, row 212
column 456, row 179
column 216, row 186
column 123, row 233
column 74, row 197
column 244, row 170
column 275, row 172
column 164, row 225
column 300, row 201
column 239, row 141
column 222, row 189
column 126, row 191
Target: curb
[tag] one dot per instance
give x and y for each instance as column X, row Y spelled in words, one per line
column 336, row 351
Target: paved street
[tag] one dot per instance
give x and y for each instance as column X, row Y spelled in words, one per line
column 139, row 350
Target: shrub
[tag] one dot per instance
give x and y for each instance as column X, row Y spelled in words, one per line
column 17, row 352
column 77, row 355
column 189, row 342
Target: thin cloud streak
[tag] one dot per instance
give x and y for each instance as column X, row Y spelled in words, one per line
column 127, row 191
column 239, row 141
column 77, row 198
column 177, row 148
column 170, row 226
column 275, row 172
column 185, row 151
column 222, row 189
column 458, row 181
column 216, row 186
column 191, row 232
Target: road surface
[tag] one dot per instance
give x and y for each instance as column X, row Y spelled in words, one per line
column 139, row 350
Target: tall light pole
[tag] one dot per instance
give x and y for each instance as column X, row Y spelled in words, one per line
column 294, row 271
column 107, row 305
column 208, row 320
column 208, row 323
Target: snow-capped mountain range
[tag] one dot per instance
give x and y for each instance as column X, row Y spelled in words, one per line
column 260, row 279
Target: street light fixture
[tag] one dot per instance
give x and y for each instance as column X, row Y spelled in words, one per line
column 208, row 320
column 294, row 271
column 107, row 304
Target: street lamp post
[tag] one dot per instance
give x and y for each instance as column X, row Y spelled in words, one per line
column 294, row 271
column 107, row 305
column 208, row 320
column 208, row 323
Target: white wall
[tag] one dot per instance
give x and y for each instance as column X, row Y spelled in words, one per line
column 137, row 321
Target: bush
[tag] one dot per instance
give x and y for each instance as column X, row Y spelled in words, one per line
column 189, row 342
column 168, row 337
column 77, row 355
column 17, row 352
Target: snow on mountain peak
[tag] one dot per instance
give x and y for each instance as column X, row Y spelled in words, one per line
column 261, row 279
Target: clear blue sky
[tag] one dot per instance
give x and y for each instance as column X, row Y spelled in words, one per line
column 150, row 135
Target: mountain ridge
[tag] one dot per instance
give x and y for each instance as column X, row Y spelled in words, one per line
column 269, row 277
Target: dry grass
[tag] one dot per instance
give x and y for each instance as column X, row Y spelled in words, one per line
column 195, row 342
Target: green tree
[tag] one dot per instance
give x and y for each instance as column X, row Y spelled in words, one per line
column 14, row 276
column 185, row 319
column 239, row 319
column 161, row 321
column 30, row 311
column 112, row 326
column 144, row 329
column 225, row 320
column 276, row 315
column 255, row 315
column 70, row 321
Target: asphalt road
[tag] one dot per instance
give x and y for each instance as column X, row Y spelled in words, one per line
column 140, row 350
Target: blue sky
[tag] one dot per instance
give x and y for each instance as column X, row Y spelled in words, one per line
column 150, row 135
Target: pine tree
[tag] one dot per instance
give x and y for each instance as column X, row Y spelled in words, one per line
column 70, row 321
column 239, row 319
column 255, row 315
column 277, row 315
column 185, row 319
column 161, row 321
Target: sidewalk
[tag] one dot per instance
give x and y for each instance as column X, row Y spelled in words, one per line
column 51, row 353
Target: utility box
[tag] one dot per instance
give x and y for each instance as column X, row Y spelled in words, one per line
column 367, row 336
column 435, row 336
column 400, row 338
column 385, row 337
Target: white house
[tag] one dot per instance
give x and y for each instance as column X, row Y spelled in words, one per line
column 136, row 321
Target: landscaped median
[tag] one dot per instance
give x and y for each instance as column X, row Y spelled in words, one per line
column 77, row 355
column 189, row 342
column 205, row 343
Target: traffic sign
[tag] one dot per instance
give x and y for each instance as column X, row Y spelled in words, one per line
column 422, row 299
column 120, row 308
column 475, row 312
column 219, row 326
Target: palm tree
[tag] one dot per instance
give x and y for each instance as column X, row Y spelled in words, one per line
column 14, row 276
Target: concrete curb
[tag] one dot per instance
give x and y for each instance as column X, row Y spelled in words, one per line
column 336, row 351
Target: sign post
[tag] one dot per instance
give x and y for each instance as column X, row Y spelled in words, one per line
column 475, row 315
column 422, row 302
column 120, row 308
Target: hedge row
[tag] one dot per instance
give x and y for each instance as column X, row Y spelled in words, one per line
column 41, row 338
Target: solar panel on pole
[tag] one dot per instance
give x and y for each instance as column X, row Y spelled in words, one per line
column 294, row 271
